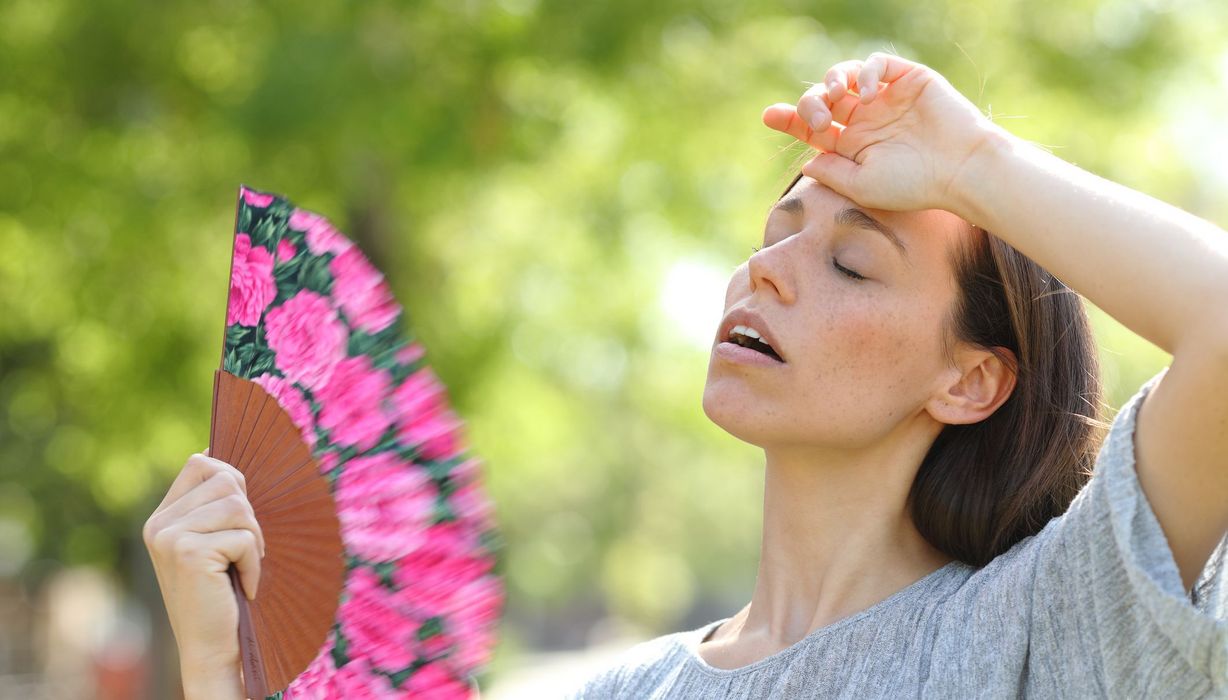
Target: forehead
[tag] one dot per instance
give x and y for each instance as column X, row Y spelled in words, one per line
column 928, row 233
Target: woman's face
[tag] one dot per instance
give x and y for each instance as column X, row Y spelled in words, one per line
column 860, row 356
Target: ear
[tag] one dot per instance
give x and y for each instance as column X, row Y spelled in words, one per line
column 982, row 382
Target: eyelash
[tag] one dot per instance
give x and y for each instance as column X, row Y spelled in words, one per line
column 847, row 272
column 852, row 274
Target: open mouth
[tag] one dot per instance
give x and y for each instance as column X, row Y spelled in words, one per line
column 749, row 338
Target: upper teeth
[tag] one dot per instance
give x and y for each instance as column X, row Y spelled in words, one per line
column 748, row 332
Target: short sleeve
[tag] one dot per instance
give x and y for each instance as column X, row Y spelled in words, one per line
column 1109, row 612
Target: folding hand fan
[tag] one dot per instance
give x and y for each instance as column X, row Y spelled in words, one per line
column 378, row 579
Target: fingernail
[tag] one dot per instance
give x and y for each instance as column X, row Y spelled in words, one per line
column 815, row 121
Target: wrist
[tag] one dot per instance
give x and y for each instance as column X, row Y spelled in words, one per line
column 969, row 193
column 206, row 682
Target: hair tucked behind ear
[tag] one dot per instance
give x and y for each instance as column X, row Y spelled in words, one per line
column 985, row 486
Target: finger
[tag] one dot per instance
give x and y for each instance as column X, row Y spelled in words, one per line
column 841, row 78
column 835, row 171
column 216, row 487
column 881, row 67
column 842, row 110
column 229, row 513
column 197, row 470
column 784, row 117
column 814, row 108
column 237, row 546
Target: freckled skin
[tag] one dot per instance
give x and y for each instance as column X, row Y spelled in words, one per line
column 863, row 357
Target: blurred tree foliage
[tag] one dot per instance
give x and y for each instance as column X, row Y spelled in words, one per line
column 558, row 191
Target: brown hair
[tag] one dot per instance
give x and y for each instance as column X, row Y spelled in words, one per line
column 985, row 486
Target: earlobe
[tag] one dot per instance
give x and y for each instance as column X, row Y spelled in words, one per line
column 978, row 391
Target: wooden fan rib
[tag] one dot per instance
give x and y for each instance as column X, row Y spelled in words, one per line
column 274, row 666
column 306, row 575
column 286, row 443
column 284, row 452
column 293, row 477
column 230, row 404
column 321, row 561
column 217, row 380
column 242, row 400
column 305, row 497
column 261, row 400
column 316, row 565
column 280, row 453
column 326, row 552
column 288, row 482
column 309, row 498
column 283, row 609
column 296, row 649
column 300, row 495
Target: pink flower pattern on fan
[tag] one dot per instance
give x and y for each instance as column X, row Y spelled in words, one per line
column 307, row 337
column 285, row 250
column 257, row 200
column 321, row 236
column 315, row 324
column 362, row 292
column 433, row 682
column 251, row 283
column 422, row 417
column 352, row 403
column 322, row 680
column 430, row 569
column 384, row 505
column 371, row 618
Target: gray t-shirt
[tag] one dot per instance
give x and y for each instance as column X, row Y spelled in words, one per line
column 1092, row 606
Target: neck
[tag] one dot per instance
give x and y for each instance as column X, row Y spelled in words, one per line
column 837, row 537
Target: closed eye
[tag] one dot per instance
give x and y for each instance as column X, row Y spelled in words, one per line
column 847, row 272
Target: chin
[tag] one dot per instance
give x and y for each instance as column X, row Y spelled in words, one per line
column 734, row 412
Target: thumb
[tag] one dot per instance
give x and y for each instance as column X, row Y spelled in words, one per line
column 835, row 172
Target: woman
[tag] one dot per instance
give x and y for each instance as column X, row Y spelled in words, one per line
column 926, row 397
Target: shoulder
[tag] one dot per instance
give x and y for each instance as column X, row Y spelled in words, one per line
column 638, row 665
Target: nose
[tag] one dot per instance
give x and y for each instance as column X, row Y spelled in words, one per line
column 769, row 268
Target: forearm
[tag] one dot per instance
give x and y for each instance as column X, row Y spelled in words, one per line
column 1160, row 271
column 210, row 683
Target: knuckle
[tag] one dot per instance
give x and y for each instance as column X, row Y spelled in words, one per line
column 162, row 542
column 197, row 461
column 181, row 548
column 231, row 481
column 235, row 504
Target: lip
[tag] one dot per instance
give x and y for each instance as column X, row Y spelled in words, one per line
column 732, row 352
column 747, row 317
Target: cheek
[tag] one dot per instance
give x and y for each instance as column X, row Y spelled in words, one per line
column 870, row 348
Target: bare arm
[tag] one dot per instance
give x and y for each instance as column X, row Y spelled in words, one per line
column 1164, row 274
column 910, row 141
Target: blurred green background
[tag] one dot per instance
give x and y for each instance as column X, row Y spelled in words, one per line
column 558, row 192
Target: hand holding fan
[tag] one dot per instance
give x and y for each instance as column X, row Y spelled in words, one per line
column 378, row 577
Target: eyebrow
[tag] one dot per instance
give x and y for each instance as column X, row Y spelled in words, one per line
column 859, row 219
column 850, row 216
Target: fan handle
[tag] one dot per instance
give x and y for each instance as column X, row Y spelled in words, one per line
column 249, row 649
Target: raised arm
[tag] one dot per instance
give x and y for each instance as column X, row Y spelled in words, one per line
column 911, row 141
